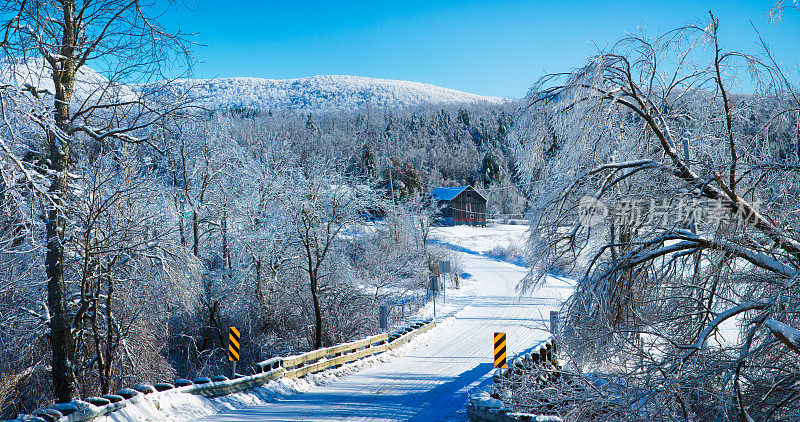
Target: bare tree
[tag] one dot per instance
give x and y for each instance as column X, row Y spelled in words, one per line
column 320, row 207
column 22, row 310
column 64, row 38
column 132, row 278
column 674, row 200
column 779, row 7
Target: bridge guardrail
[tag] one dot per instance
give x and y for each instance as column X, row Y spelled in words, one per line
column 273, row 368
column 485, row 409
column 543, row 353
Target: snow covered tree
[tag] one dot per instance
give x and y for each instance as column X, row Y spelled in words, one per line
column 320, row 207
column 50, row 46
column 674, row 201
column 131, row 277
column 490, row 169
column 368, row 162
column 463, row 117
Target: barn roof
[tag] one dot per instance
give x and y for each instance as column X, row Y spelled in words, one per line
column 447, row 194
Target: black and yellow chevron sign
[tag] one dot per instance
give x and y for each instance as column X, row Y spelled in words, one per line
column 499, row 350
column 233, row 344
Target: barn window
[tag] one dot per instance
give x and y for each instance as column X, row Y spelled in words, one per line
column 468, row 195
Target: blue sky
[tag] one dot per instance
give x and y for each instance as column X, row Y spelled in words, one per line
column 486, row 47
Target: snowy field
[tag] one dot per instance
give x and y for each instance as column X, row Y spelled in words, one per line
column 482, row 239
column 429, row 379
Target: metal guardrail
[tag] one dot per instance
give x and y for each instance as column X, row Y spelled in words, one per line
column 277, row 367
column 481, row 410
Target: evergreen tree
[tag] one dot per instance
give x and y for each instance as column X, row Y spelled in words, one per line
column 310, row 124
column 490, row 169
column 405, row 180
column 368, row 162
column 502, row 126
column 463, row 117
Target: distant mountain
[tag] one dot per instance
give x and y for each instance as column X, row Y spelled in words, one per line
column 315, row 93
column 90, row 86
column 326, row 92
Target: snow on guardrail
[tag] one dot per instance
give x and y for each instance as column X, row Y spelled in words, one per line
column 543, row 354
column 484, row 408
column 270, row 369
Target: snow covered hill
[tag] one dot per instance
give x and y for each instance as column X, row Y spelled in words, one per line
column 328, row 92
column 315, row 93
column 90, row 87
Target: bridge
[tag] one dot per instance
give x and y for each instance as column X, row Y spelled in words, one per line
column 432, row 377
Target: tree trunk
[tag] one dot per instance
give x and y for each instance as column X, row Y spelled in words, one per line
column 111, row 339
column 61, row 338
column 257, row 269
column 98, row 345
column 180, row 224
column 195, row 233
column 226, row 253
column 317, row 314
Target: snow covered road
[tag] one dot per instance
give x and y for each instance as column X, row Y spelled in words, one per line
column 433, row 377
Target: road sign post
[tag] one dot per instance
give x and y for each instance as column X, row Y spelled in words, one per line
column 383, row 317
column 500, row 350
column 444, row 269
column 433, row 283
column 233, row 349
column 444, row 290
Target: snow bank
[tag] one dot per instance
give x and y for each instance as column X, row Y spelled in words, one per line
column 484, row 408
column 485, row 400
